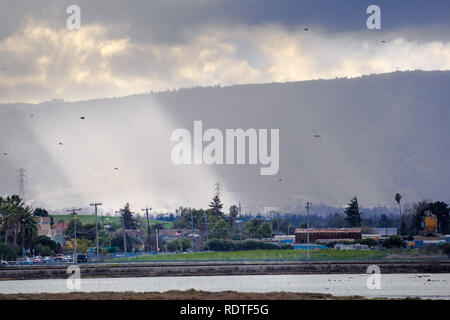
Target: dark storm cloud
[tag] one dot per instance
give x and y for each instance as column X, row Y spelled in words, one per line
column 173, row 20
column 128, row 47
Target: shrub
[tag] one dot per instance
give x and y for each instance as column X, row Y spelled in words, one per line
column 256, row 245
column 445, row 248
column 179, row 245
column 51, row 246
column 41, row 250
column 228, row 245
column 220, row 245
column 394, row 241
column 368, row 241
column 9, row 252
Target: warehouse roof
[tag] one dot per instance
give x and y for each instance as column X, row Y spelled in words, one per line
column 329, row 230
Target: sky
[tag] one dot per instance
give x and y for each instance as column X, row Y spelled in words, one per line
column 131, row 47
column 128, row 47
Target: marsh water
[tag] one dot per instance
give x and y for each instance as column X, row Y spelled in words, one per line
column 434, row 286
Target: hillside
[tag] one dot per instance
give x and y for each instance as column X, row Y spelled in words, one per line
column 379, row 134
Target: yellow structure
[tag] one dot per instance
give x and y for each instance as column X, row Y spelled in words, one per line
column 430, row 223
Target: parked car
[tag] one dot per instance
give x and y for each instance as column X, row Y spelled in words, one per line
column 82, row 258
column 68, row 258
column 59, row 258
column 37, row 260
column 47, row 260
column 3, row 263
column 25, row 260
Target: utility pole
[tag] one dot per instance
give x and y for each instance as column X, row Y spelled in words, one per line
column 95, row 205
column 162, row 237
column 206, row 226
column 148, row 225
column 240, row 219
column 278, row 229
column 308, row 204
column 73, row 213
column 21, row 180
column 193, row 238
column 157, row 239
column 124, row 232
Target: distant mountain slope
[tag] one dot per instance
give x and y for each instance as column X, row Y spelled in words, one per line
column 379, row 135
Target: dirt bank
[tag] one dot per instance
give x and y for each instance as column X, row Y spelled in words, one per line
column 209, row 269
column 176, row 295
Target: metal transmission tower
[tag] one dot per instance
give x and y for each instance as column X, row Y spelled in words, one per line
column 73, row 213
column 96, row 204
column 147, row 209
column 21, row 180
column 308, row 204
column 218, row 189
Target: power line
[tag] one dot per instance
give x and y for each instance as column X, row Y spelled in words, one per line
column 147, row 209
column 240, row 219
column 73, row 213
column 96, row 204
column 308, row 204
column 123, row 231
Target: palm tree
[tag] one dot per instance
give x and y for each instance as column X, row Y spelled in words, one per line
column 7, row 217
column 17, row 219
column 28, row 226
column 398, row 197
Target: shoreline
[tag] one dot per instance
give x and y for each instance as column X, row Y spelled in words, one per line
column 186, row 295
column 219, row 269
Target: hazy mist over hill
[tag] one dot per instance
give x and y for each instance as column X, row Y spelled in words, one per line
column 379, row 135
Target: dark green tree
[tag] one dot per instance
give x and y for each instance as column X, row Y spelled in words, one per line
column 441, row 210
column 251, row 228
column 216, row 206
column 117, row 241
column 220, row 230
column 128, row 220
column 418, row 215
column 280, row 225
column 353, row 214
column 394, row 241
column 234, row 212
column 265, row 230
column 45, row 241
column 39, row 212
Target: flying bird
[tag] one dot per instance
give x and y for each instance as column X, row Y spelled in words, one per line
column 31, row 115
column 279, row 180
column 317, row 136
column 116, row 168
column 383, row 41
column 60, row 143
column 82, row 118
column 5, row 154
